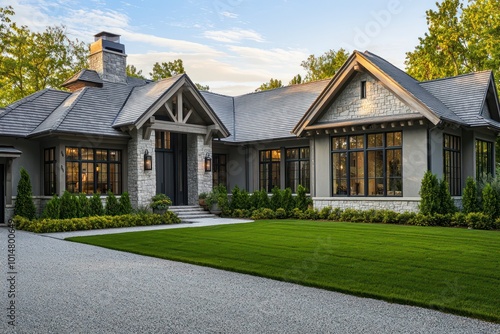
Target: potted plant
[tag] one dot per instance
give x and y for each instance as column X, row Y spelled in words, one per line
column 160, row 203
column 202, row 200
column 217, row 200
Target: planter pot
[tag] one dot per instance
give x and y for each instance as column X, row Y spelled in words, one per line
column 215, row 209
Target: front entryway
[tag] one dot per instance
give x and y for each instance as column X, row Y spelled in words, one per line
column 2, row 194
column 171, row 166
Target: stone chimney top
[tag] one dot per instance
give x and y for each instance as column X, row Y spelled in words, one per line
column 108, row 58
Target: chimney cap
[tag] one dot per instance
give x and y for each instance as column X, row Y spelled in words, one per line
column 107, row 36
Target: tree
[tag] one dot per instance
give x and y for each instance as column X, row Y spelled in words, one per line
column 31, row 61
column 296, row 80
column 460, row 40
column 202, row 87
column 429, row 194
column 24, row 206
column 324, row 66
column 167, row 70
column 134, row 73
column 272, row 84
column 469, row 196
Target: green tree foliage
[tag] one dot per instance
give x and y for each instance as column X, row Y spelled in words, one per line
column 469, row 196
column 490, row 199
column 202, row 87
column 461, row 39
column 260, row 199
column 296, row 80
column 447, row 204
column 240, row 199
column 272, row 84
column 96, row 207
column 112, row 205
column 288, row 202
column 24, row 206
column 276, row 200
column 302, row 202
column 429, row 194
column 83, row 205
column 69, row 206
column 125, row 205
column 167, row 69
column 134, row 73
column 51, row 210
column 324, row 66
column 31, row 61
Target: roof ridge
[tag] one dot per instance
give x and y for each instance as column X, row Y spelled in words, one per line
column 282, row 87
column 456, row 76
column 125, row 102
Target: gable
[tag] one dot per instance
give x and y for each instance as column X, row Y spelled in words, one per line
column 349, row 105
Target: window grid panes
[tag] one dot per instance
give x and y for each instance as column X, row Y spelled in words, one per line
column 269, row 169
column 162, row 140
column 219, row 170
column 484, row 158
column 49, row 171
column 91, row 170
column 297, row 167
column 452, row 163
column 367, row 165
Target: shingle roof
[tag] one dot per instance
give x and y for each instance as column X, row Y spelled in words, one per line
column 265, row 115
column 141, row 100
column 464, row 95
column 22, row 117
column 84, row 75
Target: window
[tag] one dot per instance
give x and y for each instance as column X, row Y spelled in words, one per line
column 49, row 171
column 363, row 90
column 91, row 170
column 452, row 163
column 219, row 170
column 269, row 169
column 367, row 165
column 484, row 158
column 162, row 140
column 297, row 167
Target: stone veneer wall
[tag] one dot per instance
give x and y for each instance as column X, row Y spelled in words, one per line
column 397, row 204
column 110, row 65
column 198, row 180
column 141, row 183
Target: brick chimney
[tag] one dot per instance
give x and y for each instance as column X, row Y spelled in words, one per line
column 108, row 58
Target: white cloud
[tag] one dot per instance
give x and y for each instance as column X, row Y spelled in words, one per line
column 275, row 56
column 229, row 15
column 233, row 36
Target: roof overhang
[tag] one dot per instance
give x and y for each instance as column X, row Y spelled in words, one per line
column 9, row 152
column 356, row 63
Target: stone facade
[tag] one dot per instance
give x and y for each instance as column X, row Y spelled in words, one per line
column 110, row 65
column 141, row 183
column 198, row 180
column 379, row 101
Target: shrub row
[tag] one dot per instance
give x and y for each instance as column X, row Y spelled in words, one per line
column 474, row 220
column 94, row 222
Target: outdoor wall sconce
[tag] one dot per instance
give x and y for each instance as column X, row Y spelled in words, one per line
column 148, row 161
column 208, row 163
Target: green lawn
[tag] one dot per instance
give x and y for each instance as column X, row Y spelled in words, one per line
column 449, row 269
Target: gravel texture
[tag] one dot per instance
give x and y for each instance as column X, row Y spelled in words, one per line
column 65, row 287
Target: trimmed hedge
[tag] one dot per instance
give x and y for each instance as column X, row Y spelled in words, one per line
column 94, row 222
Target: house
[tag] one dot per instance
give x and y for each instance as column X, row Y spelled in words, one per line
column 362, row 139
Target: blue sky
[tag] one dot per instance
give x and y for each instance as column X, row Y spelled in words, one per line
column 235, row 45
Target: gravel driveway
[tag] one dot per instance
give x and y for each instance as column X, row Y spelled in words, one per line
column 65, row 287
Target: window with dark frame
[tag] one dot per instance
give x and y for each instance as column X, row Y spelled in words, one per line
column 484, row 158
column 49, row 171
column 90, row 170
column 363, row 90
column 162, row 140
column 367, row 165
column 219, row 170
column 452, row 163
column 297, row 166
column 269, row 169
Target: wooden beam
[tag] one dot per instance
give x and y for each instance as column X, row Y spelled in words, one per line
column 393, row 125
column 327, row 131
column 402, row 123
column 146, row 132
column 364, row 127
column 410, row 123
column 353, row 128
column 180, row 106
column 170, row 112
column 179, row 127
column 187, row 116
column 344, row 130
column 383, row 125
column 421, row 122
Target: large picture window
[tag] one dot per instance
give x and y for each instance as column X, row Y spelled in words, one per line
column 297, row 168
column 269, row 169
column 90, row 170
column 49, row 171
column 219, row 170
column 452, row 163
column 484, row 158
column 367, row 165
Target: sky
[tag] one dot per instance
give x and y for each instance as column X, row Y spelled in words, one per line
column 236, row 45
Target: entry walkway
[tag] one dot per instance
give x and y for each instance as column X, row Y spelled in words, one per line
column 193, row 223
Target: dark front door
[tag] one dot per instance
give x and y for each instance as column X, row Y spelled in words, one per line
column 171, row 167
column 2, row 194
